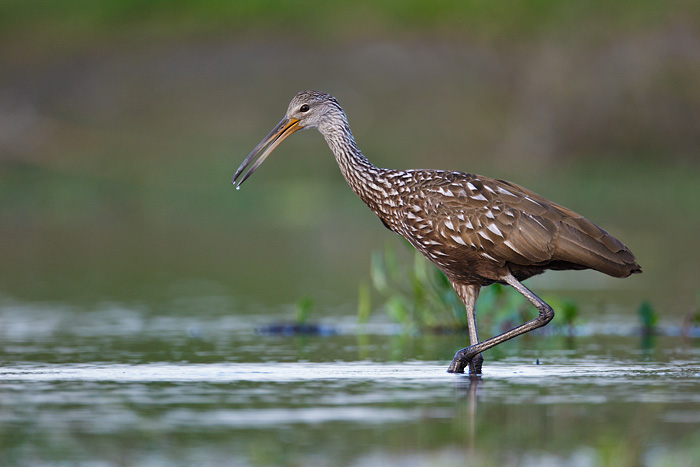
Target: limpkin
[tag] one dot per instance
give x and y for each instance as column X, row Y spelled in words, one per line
column 477, row 230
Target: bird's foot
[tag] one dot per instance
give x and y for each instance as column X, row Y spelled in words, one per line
column 464, row 358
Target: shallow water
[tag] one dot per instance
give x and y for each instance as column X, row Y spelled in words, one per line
column 123, row 386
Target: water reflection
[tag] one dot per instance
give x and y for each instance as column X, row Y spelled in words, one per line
column 113, row 382
column 563, row 376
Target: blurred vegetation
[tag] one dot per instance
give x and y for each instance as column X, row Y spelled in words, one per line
column 421, row 298
column 121, row 123
column 691, row 321
column 418, row 297
column 303, row 309
column 648, row 318
column 306, row 18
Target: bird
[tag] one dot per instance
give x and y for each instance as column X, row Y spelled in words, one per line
column 477, row 230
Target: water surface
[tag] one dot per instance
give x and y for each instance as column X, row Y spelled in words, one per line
column 127, row 386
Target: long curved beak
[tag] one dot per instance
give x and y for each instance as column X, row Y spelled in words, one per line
column 278, row 134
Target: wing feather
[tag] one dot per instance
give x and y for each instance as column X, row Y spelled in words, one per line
column 510, row 224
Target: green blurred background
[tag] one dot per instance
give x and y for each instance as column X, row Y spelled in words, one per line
column 122, row 122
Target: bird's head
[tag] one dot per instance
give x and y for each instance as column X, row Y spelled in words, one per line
column 308, row 109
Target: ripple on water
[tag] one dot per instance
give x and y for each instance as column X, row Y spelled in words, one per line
column 600, row 373
column 264, row 395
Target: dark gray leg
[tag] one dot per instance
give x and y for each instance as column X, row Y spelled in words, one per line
column 465, row 356
column 468, row 294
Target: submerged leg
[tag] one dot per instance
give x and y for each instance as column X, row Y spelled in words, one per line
column 468, row 294
column 465, row 356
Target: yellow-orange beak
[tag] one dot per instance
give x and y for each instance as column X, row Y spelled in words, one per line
column 278, row 134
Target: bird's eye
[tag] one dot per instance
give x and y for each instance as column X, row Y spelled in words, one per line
column 304, row 108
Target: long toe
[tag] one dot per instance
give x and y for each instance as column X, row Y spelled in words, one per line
column 466, row 357
column 475, row 365
column 459, row 362
column 457, row 366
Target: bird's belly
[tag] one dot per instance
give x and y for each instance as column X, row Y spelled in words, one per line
column 464, row 265
column 470, row 265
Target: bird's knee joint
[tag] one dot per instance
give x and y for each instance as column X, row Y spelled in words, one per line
column 546, row 314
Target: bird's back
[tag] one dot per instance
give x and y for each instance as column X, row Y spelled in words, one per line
column 577, row 242
column 477, row 229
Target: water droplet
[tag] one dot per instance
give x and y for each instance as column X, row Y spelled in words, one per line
column 238, row 187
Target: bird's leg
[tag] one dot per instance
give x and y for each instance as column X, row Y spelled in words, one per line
column 468, row 294
column 465, row 356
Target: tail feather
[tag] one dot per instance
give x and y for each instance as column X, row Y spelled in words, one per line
column 583, row 243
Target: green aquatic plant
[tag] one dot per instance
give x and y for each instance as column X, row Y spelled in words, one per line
column 302, row 309
column 364, row 304
column 648, row 317
column 419, row 296
column 567, row 313
column 415, row 296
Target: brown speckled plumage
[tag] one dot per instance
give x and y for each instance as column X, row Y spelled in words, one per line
column 477, row 230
